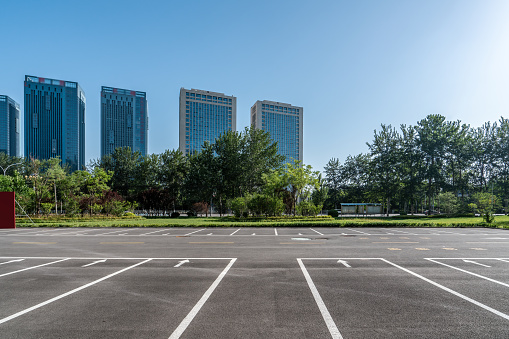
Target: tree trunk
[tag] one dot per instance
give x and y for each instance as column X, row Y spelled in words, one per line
column 56, row 204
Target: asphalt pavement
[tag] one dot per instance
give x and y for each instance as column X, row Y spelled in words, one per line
column 254, row 283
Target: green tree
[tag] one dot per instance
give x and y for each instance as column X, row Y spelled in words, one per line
column 229, row 160
column 172, row 172
column 409, row 168
column 259, row 156
column 448, row 203
column 355, row 174
column 502, row 160
column 319, row 195
column 39, row 182
column 334, row 181
column 483, row 150
column 434, row 136
column 485, row 203
column 123, row 163
column 384, row 175
column 202, row 178
column 301, row 180
column 55, row 175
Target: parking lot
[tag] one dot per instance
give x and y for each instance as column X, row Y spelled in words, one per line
column 254, row 283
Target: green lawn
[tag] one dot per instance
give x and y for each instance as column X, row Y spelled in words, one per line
column 500, row 222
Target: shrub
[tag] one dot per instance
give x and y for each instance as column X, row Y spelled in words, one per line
column 238, row 206
column 308, row 208
column 333, row 213
column 46, row 207
column 129, row 215
column 191, row 213
column 174, row 214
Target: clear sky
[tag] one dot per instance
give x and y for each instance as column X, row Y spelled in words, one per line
column 352, row 65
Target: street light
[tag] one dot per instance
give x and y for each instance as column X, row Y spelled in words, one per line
column 5, row 170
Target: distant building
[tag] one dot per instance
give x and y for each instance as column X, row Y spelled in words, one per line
column 284, row 124
column 204, row 116
column 55, row 120
column 9, row 126
column 124, row 120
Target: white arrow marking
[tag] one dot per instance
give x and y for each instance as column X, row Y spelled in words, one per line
column 344, row 263
column 253, row 234
column 181, row 263
column 93, row 263
column 11, row 261
column 209, row 234
column 300, row 233
column 473, row 262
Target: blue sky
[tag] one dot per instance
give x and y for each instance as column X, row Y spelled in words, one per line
column 352, row 65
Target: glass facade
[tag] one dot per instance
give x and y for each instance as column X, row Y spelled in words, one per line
column 55, row 120
column 124, row 120
column 204, row 116
column 284, row 124
column 9, row 126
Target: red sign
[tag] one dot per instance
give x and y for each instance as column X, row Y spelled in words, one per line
column 7, row 210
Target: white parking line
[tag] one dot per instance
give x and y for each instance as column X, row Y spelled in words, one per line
column 357, row 231
column 195, row 231
column 472, row 273
column 70, row 233
column 401, row 232
column 7, row 262
column 187, row 320
column 68, row 293
column 464, row 297
column 321, row 305
column 235, row 232
column 108, row 233
column 316, row 231
column 275, row 231
column 153, row 232
column 29, row 268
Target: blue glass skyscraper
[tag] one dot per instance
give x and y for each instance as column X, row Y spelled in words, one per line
column 284, row 124
column 204, row 116
column 9, row 126
column 124, row 120
column 55, row 120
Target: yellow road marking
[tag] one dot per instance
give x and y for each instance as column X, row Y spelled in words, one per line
column 422, row 249
column 33, row 242
column 122, row 242
column 363, row 238
column 449, row 249
column 211, row 242
column 384, row 238
column 404, row 237
column 424, row 238
column 394, row 249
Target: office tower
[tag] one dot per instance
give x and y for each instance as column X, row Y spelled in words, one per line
column 284, row 124
column 124, row 120
column 204, row 116
column 9, row 126
column 55, row 121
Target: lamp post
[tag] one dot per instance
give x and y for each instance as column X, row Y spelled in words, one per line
column 5, row 170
